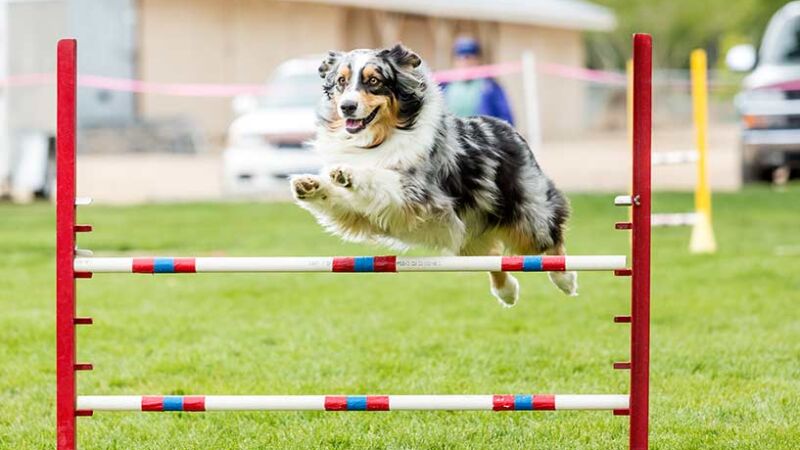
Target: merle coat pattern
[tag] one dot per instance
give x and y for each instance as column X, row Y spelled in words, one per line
column 402, row 171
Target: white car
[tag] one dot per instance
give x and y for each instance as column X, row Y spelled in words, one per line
column 267, row 143
column 769, row 103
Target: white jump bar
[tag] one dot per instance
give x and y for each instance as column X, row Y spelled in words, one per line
column 199, row 403
column 673, row 219
column 674, row 157
column 351, row 264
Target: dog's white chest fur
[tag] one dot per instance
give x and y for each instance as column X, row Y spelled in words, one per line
column 371, row 187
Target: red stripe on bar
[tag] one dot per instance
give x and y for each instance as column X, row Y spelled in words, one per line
column 143, row 265
column 377, row 403
column 194, row 403
column 554, row 263
column 84, row 413
column 385, row 263
column 511, row 263
column 503, row 402
column 184, row 265
column 152, row 403
column 335, row 403
column 83, row 274
column 544, row 402
column 344, row 264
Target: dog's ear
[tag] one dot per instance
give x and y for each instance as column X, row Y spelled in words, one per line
column 329, row 63
column 401, row 56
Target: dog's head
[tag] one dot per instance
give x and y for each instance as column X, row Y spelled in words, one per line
column 370, row 93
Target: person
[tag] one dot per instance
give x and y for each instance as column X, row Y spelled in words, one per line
column 480, row 96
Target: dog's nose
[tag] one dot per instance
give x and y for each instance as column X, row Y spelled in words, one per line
column 348, row 107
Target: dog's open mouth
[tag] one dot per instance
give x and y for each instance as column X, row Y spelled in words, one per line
column 353, row 126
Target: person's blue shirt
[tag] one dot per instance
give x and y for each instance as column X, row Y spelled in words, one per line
column 481, row 96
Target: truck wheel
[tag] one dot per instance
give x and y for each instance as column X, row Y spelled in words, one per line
column 752, row 170
column 752, row 173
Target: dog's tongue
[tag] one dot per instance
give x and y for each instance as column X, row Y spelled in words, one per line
column 353, row 123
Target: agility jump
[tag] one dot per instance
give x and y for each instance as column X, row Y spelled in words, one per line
column 72, row 263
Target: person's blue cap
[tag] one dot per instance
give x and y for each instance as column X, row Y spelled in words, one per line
column 466, row 46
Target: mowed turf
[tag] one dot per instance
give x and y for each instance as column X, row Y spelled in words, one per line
column 725, row 355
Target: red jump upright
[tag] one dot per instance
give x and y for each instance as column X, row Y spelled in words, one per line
column 640, row 281
column 65, row 246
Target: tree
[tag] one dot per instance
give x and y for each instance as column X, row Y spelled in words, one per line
column 678, row 26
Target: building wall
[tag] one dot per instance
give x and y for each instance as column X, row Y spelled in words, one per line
column 33, row 29
column 107, row 47
column 241, row 41
column 215, row 41
column 28, row 31
column 560, row 100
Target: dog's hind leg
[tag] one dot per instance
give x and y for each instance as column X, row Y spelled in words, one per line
column 505, row 288
column 503, row 285
column 522, row 242
column 566, row 281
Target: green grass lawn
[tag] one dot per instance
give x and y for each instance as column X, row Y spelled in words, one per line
column 725, row 355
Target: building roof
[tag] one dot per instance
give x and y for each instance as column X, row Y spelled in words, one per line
column 572, row 14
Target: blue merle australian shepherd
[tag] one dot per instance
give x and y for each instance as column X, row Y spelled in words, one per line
column 403, row 172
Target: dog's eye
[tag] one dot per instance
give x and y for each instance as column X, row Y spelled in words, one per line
column 341, row 81
column 372, row 81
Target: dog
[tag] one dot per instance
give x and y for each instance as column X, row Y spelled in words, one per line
column 401, row 171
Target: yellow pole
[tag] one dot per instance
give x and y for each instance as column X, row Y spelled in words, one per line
column 702, row 233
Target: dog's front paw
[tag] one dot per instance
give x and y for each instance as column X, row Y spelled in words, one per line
column 307, row 187
column 342, row 176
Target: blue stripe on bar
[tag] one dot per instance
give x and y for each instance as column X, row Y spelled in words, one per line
column 173, row 403
column 363, row 264
column 523, row 403
column 532, row 264
column 356, row 403
column 163, row 265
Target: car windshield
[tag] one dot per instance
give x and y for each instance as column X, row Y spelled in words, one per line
column 293, row 91
column 782, row 46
